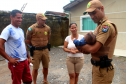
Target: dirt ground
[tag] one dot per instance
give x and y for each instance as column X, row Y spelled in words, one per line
column 58, row 72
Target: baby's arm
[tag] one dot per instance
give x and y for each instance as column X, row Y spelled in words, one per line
column 76, row 42
column 82, row 42
column 79, row 43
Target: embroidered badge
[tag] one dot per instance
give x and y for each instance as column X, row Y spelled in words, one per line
column 38, row 32
column 45, row 33
column 88, row 5
column 43, row 15
column 105, row 27
column 29, row 29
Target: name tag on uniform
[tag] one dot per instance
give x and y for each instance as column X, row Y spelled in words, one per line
column 38, row 32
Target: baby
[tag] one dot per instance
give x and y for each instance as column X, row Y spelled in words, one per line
column 89, row 38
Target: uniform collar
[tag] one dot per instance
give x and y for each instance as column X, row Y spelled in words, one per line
column 103, row 20
column 36, row 24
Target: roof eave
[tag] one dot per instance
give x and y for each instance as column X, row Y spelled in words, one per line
column 72, row 4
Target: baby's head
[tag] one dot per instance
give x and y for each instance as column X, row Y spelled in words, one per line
column 90, row 38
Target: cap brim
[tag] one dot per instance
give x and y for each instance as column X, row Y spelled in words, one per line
column 89, row 10
column 44, row 18
column 84, row 13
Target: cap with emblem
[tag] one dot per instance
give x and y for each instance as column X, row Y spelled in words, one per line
column 92, row 5
column 41, row 16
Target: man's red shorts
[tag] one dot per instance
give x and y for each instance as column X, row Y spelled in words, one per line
column 20, row 71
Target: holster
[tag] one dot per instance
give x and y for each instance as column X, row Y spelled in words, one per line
column 49, row 46
column 31, row 50
column 104, row 62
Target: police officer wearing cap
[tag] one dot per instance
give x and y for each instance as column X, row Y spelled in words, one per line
column 37, row 37
column 102, row 50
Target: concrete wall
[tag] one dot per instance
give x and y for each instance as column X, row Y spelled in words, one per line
column 58, row 25
column 115, row 10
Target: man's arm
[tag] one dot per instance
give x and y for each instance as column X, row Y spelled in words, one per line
column 90, row 48
column 28, row 56
column 3, row 53
column 29, row 33
column 49, row 32
column 48, row 37
column 28, row 39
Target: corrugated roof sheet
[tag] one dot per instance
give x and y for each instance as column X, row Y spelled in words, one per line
column 55, row 13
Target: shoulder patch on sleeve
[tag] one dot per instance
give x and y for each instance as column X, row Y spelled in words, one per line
column 29, row 29
column 105, row 27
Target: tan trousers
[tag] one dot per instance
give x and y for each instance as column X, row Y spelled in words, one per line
column 101, row 76
column 40, row 55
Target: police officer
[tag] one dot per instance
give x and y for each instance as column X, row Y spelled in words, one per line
column 38, row 36
column 102, row 50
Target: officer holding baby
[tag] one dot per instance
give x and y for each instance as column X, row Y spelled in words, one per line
column 102, row 51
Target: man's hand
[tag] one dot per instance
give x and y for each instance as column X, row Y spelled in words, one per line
column 14, row 61
column 81, row 50
column 29, row 60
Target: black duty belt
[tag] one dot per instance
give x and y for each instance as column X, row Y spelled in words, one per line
column 96, row 63
column 104, row 63
column 39, row 48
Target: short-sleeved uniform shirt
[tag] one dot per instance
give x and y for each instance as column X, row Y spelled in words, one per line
column 31, row 29
column 38, row 34
column 104, row 31
column 14, row 45
column 106, row 34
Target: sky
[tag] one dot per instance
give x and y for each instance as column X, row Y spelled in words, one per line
column 34, row 6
